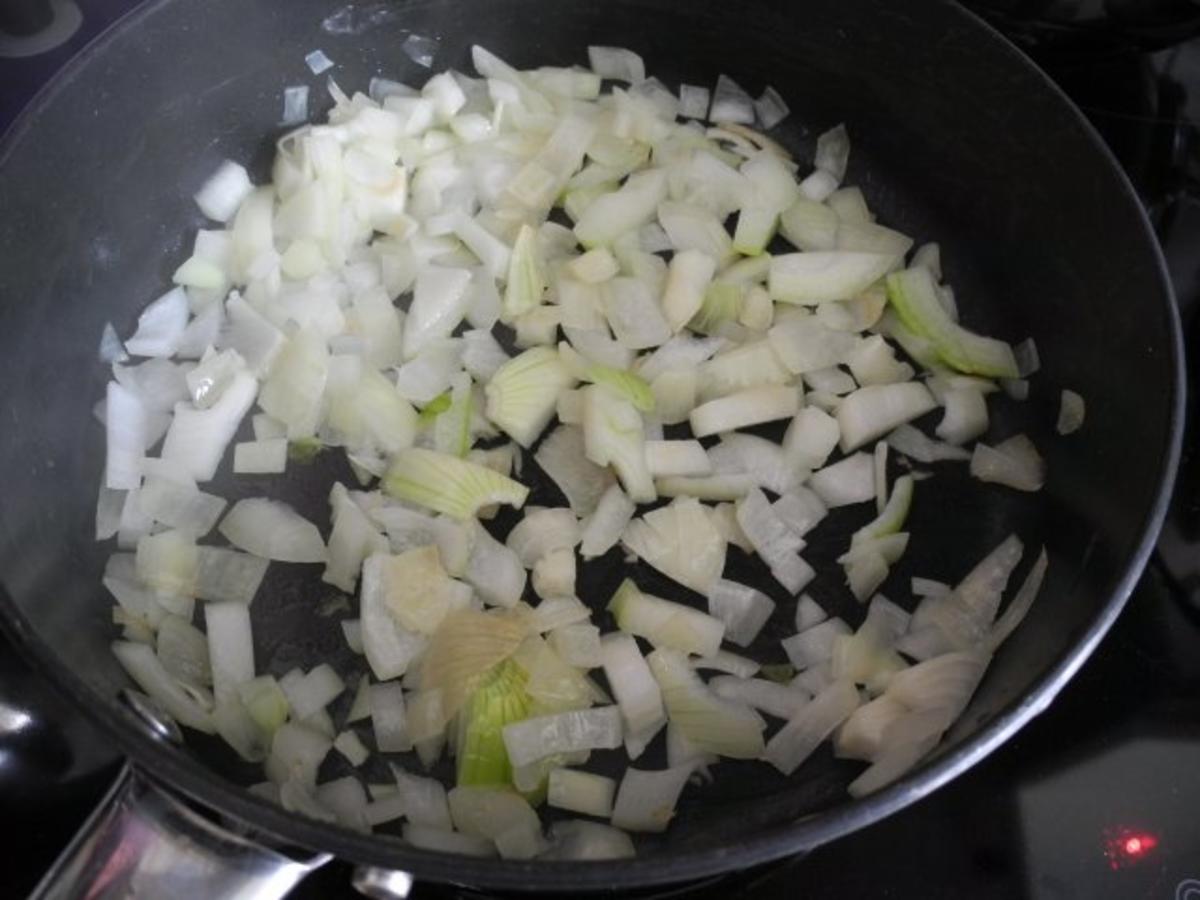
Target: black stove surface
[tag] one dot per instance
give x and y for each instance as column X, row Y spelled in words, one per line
column 1096, row 798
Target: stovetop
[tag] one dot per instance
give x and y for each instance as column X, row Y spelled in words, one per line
column 1099, row 797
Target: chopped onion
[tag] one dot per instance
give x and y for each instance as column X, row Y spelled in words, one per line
column 318, row 62
column 223, row 193
column 577, row 839
column 567, row 732
column 743, row 609
column 1014, row 463
column 730, row 103
column 617, row 63
column 681, row 542
column 814, row 645
column 1071, row 411
column 770, row 108
column 815, row 721
column 646, row 799
column 637, row 693
column 604, row 527
column 295, row 107
column 273, row 530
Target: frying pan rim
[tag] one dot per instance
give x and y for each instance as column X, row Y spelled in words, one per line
column 192, row 780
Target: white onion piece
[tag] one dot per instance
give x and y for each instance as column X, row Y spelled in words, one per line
column 800, row 509
column 616, row 63
column 562, row 457
column 197, row 438
column 125, row 426
column 646, row 799
column 603, row 528
column 494, row 570
column 693, row 101
column 1020, row 604
column 724, row 661
column 273, row 530
column 743, row 609
column 780, row 701
column 144, row 667
column 809, row 613
column 178, row 506
column 568, row 732
column 1014, row 463
column 295, row 105
column 681, row 542
column 730, row 103
column 770, row 108
column 224, row 191
column 388, row 718
column 764, row 461
column 577, row 839
column 912, row 443
column 850, row 481
column 966, row 416
column 160, row 326
column 1071, row 411
column 267, row 457
column 230, row 646
column 637, row 693
column 743, row 409
column 815, row 721
column 814, row 645
column 871, row 412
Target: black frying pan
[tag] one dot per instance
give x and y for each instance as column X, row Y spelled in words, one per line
column 956, row 137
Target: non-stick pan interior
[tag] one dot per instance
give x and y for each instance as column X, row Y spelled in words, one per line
column 956, row 139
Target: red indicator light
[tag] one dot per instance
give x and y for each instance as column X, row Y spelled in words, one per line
column 1126, row 846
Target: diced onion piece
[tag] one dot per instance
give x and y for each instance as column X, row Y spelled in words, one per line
column 1014, row 463
column 604, row 527
column 273, row 530
column 665, row 623
column 871, row 412
column 230, row 646
column 815, row 721
column 744, row 408
column 730, row 103
column 814, row 645
column 913, row 294
column 562, row 455
column 617, row 63
column 820, row 276
column 636, row 691
column 494, row 570
column 267, row 457
column 144, row 667
column 1071, row 411
column 852, row 480
column 808, row 613
column 448, row 484
column 523, row 393
column 712, row 724
column 724, row 661
column 318, row 62
column 778, row 700
column 646, row 799
column 577, row 839
column 770, row 108
column 567, row 732
column 743, row 609
column 581, row 792
column 611, row 215
column 681, row 542
column 223, row 193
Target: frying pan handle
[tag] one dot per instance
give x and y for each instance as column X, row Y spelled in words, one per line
column 143, row 841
